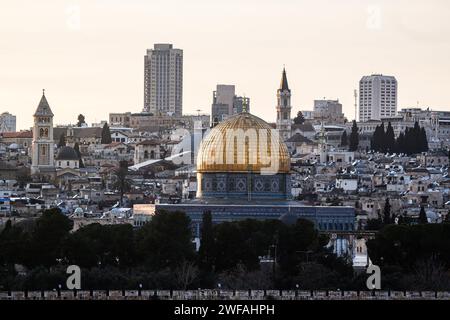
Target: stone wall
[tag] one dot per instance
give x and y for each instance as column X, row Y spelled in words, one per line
column 223, row 295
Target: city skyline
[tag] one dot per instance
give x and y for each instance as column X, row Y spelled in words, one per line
column 72, row 56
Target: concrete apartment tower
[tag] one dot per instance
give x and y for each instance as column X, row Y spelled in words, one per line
column 43, row 144
column 284, row 108
column 163, row 80
column 7, row 122
column 377, row 97
column 226, row 103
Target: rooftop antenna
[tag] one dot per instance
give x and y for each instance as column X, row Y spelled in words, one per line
column 355, row 94
column 198, row 111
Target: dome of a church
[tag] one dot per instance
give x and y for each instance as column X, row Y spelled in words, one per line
column 67, row 153
column 243, row 143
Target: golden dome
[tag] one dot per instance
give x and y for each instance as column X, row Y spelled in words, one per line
column 243, row 143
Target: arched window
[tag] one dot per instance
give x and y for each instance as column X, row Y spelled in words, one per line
column 41, row 132
column 152, row 154
column 145, row 154
column 285, row 102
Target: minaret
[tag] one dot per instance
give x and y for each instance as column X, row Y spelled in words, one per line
column 322, row 145
column 43, row 143
column 284, row 108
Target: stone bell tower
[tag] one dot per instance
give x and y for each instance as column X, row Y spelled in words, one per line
column 43, row 143
column 284, row 108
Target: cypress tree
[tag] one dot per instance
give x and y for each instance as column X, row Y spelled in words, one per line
column 382, row 139
column 106, row 134
column 206, row 251
column 354, row 137
column 344, row 139
column 408, row 143
column 416, row 146
column 400, row 143
column 76, row 147
column 390, row 138
column 423, row 140
column 422, row 216
column 62, row 140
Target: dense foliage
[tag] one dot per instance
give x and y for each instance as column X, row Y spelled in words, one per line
column 161, row 255
column 412, row 141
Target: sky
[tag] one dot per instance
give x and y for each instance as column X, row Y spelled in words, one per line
column 89, row 54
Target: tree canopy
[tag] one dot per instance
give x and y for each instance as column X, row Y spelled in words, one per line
column 299, row 119
column 106, row 134
column 81, row 120
column 354, row 137
column 411, row 141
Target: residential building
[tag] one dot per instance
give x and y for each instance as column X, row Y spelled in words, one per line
column 163, row 80
column 7, row 122
column 377, row 97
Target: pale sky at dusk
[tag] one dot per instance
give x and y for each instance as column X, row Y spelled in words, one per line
column 93, row 64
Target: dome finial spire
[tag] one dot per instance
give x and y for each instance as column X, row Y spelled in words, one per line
column 43, row 92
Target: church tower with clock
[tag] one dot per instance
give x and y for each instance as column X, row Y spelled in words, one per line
column 43, row 143
column 284, row 108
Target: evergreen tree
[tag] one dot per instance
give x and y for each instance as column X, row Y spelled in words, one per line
column 382, row 139
column 354, row 137
column 62, row 140
column 423, row 140
column 387, row 212
column 299, row 119
column 415, row 143
column 377, row 142
column 344, row 139
column 76, row 147
column 390, row 138
column 400, row 143
column 121, row 179
column 106, row 134
column 206, row 251
column 423, row 216
column 81, row 120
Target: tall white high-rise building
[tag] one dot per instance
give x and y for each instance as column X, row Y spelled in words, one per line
column 377, row 97
column 163, row 80
column 7, row 122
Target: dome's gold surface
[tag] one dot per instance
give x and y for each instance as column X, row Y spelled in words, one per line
column 243, row 143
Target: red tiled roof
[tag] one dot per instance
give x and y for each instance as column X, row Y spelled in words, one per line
column 20, row 134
